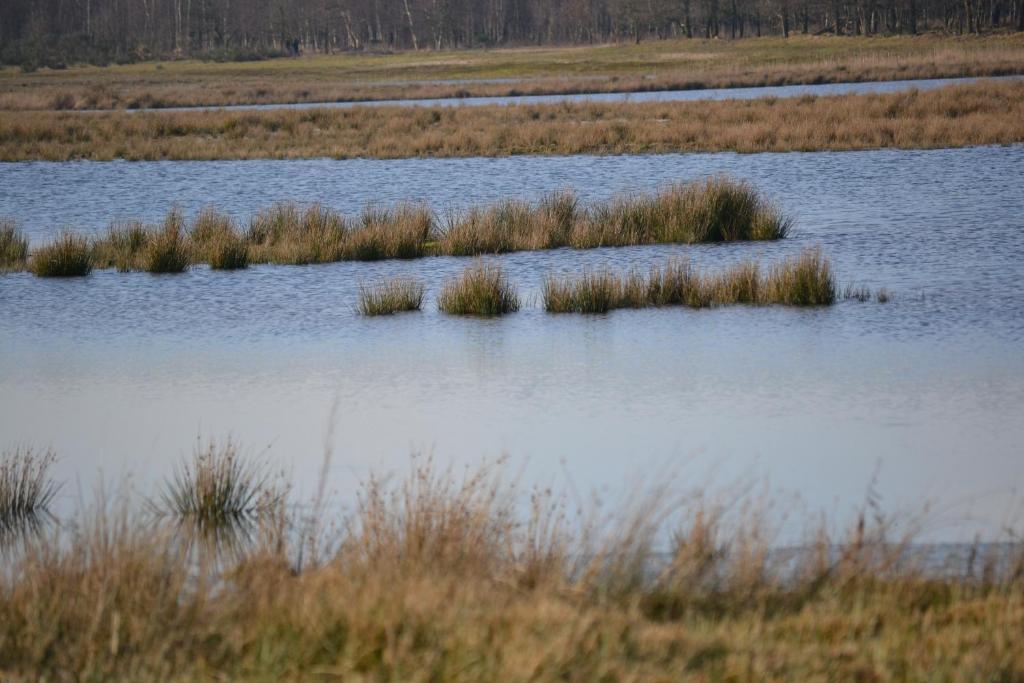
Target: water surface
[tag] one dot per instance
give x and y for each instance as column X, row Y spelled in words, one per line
column 121, row 372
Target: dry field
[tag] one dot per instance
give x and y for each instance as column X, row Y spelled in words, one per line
column 976, row 114
column 657, row 65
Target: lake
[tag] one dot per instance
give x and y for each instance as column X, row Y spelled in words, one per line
column 924, row 396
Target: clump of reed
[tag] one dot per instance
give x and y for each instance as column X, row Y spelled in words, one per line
column 803, row 280
column 806, row 280
column 718, row 209
column 391, row 296
column 166, row 250
column 589, row 293
column 121, row 247
column 288, row 234
column 482, row 289
column 400, row 233
column 13, row 246
column 26, row 490
column 215, row 239
column 68, row 255
column 218, row 491
column 511, row 225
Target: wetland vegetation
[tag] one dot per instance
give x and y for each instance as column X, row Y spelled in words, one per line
column 481, row 290
column 953, row 116
column 397, row 295
column 625, row 67
column 803, row 280
column 717, row 209
column 444, row 576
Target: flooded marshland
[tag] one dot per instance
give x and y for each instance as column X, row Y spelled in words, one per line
column 119, row 373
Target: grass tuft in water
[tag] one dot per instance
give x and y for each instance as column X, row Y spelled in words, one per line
column 13, row 246
column 482, row 290
column 718, row 209
column 804, row 280
column 66, row 256
column 288, row 234
column 26, row 490
column 121, row 247
column 218, row 491
column 402, row 232
column 167, row 250
column 589, row 293
column 391, row 296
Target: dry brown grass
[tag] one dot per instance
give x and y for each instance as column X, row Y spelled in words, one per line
column 654, row 65
column 442, row 577
column 802, row 280
column 717, row 209
column 978, row 114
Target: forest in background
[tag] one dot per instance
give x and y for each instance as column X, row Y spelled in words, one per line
column 57, row 33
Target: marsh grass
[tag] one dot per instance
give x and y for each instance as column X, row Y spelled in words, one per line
column 68, row 255
column 802, row 280
column 986, row 113
column 288, row 234
column 121, row 247
column 712, row 210
column 218, row 492
column 481, row 290
column 167, row 250
column 469, row 576
column 391, row 296
column 382, row 233
column 13, row 246
column 572, row 69
column 26, row 491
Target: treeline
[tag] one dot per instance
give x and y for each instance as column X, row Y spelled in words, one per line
column 57, row 32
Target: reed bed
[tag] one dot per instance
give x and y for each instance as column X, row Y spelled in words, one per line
column 397, row 295
column 802, row 280
column 13, row 246
column 438, row 576
column 712, row 210
column 67, row 255
column 986, row 113
column 481, row 290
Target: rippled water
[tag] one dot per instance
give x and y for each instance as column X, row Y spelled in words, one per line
column 653, row 96
column 121, row 372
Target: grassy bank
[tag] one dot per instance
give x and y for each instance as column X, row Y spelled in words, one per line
column 437, row 576
column 657, row 65
column 717, row 209
column 977, row 114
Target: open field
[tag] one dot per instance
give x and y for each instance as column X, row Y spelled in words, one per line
column 717, row 209
column 657, row 65
column 437, row 576
column 957, row 116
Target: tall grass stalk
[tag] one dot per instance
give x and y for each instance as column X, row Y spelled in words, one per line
column 482, row 290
